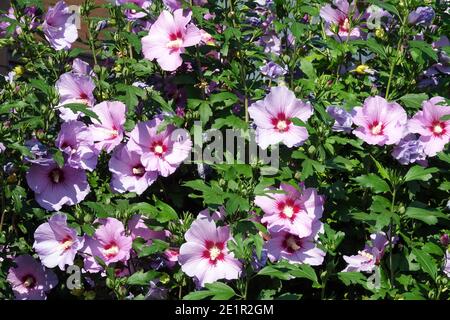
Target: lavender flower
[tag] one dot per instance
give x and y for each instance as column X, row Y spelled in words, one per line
column 343, row 119
column 409, row 150
column 59, row 27
column 272, row 70
column 421, row 16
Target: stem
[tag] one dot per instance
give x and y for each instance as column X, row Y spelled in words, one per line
column 242, row 62
column 391, row 225
column 397, row 56
column 2, row 204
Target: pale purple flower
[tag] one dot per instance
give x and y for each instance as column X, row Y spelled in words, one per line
column 108, row 132
column 39, row 151
column 367, row 259
column 342, row 119
column 379, row 121
column 273, row 118
column 428, row 123
column 294, row 211
column 259, row 263
column 217, row 215
column 76, row 142
column 271, row 43
column 59, row 27
column 421, row 16
column 82, row 68
column 109, row 243
column 138, row 228
column 447, row 263
column 160, row 151
column 132, row 14
column 168, row 37
column 295, row 249
column 56, row 243
column 205, row 255
column 340, row 18
column 129, row 174
column 272, row 70
column 409, row 150
column 74, row 88
column 4, row 23
column 54, row 186
column 2, row 147
column 156, row 292
column 30, row 280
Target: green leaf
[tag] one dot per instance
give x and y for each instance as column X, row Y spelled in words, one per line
column 205, row 112
column 349, row 278
column 419, row 173
column 216, row 290
column 22, row 149
column 389, row 7
column 79, row 107
column 308, row 69
column 142, row 278
column 274, row 272
column 429, row 216
column 220, row 291
column 59, row 158
column 381, row 170
column 374, row 182
column 156, row 246
column 305, row 271
column 424, row 47
column 88, row 229
column 414, row 100
column 426, row 262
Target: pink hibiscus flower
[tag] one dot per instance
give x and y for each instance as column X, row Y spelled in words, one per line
column 74, row 88
column 379, row 122
column 168, row 37
column 273, row 118
column 294, row 211
column 434, row 132
column 128, row 172
column 56, row 243
column 109, row 243
column 366, row 260
column 162, row 152
column 284, row 245
column 30, row 280
column 55, row 186
column 75, row 140
column 341, row 16
column 205, row 255
column 108, row 132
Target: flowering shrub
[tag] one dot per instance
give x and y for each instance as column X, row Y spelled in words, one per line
column 225, row 149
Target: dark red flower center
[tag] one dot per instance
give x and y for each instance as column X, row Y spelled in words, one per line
column 175, row 40
column 281, row 122
column 344, row 25
column 66, row 243
column 376, row 128
column 110, row 250
column 29, row 281
column 288, row 209
column 138, row 170
column 56, row 175
column 438, row 128
column 158, row 148
column 292, row 243
column 214, row 251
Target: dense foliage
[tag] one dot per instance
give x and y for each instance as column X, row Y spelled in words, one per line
column 118, row 182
